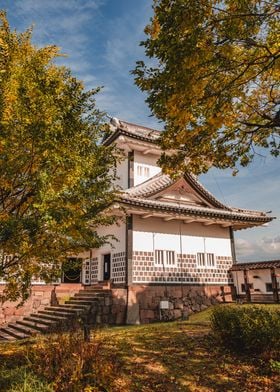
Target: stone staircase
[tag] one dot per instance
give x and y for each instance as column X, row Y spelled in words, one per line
column 91, row 305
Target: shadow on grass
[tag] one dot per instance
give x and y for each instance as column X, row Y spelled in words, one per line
column 182, row 356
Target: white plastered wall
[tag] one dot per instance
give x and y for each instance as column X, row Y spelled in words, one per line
column 154, row 233
column 122, row 173
column 149, row 161
column 258, row 278
column 116, row 246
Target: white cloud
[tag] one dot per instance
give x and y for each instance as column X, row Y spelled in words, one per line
column 266, row 249
column 63, row 23
column 26, row 6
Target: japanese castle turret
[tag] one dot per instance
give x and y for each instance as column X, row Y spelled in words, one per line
column 175, row 243
column 172, row 252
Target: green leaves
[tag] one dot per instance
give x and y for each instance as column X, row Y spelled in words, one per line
column 56, row 177
column 216, row 85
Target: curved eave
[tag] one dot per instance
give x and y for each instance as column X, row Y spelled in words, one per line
column 189, row 212
column 118, row 132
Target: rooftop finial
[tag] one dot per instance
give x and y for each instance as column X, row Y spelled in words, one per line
column 115, row 122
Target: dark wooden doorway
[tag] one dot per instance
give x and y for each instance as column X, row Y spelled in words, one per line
column 107, row 267
column 72, row 269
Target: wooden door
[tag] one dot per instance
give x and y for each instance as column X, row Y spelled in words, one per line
column 107, row 266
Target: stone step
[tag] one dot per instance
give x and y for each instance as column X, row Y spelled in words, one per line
column 66, row 309
column 82, row 302
column 15, row 333
column 6, row 337
column 41, row 320
column 49, row 317
column 77, row 305
column 92, row 290
column 90, row 293
column 58, row 315
column 91, row 298
column 28, row 327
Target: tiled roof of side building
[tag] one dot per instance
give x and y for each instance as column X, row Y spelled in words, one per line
column 256, row 265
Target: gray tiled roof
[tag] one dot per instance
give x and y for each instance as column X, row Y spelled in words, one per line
column 139, row 196
column 135, row 131
column 256, row 265
column 161, row 181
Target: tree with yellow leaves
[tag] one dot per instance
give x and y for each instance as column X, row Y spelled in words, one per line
column 55, row 176
column 216, row 82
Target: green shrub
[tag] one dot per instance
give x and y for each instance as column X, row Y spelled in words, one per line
column 253, row 329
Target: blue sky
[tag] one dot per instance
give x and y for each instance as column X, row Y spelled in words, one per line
column 101, row 39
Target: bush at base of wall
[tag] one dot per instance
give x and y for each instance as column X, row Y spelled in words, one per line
column 247, row 328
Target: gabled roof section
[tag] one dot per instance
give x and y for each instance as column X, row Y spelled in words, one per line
column 162, row 182
column 148, row 197
column 134, row 131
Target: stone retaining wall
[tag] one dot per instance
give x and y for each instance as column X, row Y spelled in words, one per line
column 144, row 301
column 41, row 296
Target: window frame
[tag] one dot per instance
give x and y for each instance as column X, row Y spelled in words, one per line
column 166, row 254
column 202, row 260
column 143, row 170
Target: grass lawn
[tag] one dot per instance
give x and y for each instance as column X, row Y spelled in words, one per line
column 176, row 356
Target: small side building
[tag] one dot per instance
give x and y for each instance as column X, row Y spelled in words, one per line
column 257, row 281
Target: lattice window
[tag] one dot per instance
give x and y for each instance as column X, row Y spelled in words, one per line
column 165, row 257
column 205, row 259
column 170, row 257
column 143, row 171
column 201, row 259
column 210, row 260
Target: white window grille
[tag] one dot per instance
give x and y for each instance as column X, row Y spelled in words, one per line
column 205, row 259
column 170, row 257
column 143, row 171
column 201, row 259
column 165, row 258
column 159, row 257
column 210, row 260
column 146, row 171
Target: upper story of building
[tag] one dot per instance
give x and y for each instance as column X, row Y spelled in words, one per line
column 150, row 193
column 141, row 152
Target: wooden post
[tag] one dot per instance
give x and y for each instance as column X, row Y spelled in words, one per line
column 274, row 284
column 223, row 293
column 247, row 286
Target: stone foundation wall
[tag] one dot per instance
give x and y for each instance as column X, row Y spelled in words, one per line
column 144, row 301
column 40, row 297
column 112, row 310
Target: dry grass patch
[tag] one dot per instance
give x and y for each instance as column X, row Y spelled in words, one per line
column 166, row 357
